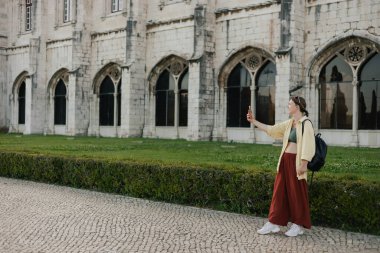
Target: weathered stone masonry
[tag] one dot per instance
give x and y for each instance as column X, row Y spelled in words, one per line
column 134, row 44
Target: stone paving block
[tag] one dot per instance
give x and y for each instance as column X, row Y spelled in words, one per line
column 37, row 217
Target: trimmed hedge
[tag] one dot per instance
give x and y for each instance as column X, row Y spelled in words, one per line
column 342, row 203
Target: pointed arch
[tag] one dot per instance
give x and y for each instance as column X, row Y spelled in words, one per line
column 112, row 70
column 61, row 74
column 107, row 88
column 168, row 83
column 172, row 62
column 334, row 71
column 339, row 44
column 250, row 57
column 239, row 79
column 19, row 79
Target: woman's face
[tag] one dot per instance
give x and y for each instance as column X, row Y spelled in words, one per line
column 292, row 107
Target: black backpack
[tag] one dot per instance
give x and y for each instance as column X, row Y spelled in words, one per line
column 319, row 158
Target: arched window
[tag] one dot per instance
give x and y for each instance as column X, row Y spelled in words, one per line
column 60, row 103
column 106, row 102
column 369, row 94
column 119, row 103
column 21, row 103
column 183, row 87
column 238, row 96
column 165, row 99
column 265, row 94
column 336, row 95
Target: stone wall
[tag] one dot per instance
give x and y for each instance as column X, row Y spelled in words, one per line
column 145, row 36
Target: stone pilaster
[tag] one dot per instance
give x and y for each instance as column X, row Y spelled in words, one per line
column 134, row 84
column 201, row 78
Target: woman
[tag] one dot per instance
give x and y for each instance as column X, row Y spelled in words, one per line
column 290, row 197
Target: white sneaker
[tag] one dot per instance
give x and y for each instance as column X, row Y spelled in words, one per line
column 294, row 230
column 268, row 228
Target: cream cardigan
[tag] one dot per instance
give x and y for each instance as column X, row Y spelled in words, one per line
column 305, row 141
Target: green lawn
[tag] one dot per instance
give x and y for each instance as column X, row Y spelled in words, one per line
column 355, row 162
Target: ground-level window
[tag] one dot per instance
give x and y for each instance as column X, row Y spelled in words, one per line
column 165, row 100
column 183, row 86
column 60, row 103
column 106, row 102
column 265, row 94
column 336, row 95
column 21, row 103
column 369, row 94
column 238, row 96
column 119, row 103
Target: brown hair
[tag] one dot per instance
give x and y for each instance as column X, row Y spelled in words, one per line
column 300, row 101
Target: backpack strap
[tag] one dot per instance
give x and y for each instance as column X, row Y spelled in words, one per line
column 312, row 174
column 303, row 124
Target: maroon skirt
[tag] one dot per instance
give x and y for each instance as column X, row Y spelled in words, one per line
column 290, row 201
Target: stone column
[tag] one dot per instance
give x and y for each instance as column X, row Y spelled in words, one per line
column 253, row 108
column 176, row 108
column 115, row 112
column 28, row 105
column 71, row 104
column 125, row 96
column 355, row 116
column 50, row 114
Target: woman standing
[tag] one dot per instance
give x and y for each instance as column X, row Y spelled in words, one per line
column 290, row 197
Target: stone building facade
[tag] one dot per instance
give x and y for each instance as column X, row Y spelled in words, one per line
column 189, row 69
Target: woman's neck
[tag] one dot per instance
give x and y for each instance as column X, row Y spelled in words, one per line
column 297, row 116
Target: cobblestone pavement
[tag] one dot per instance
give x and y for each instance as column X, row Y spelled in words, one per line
column 40, row 218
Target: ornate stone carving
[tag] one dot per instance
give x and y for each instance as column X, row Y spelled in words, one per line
column 176, row 68
column 355, row 54
column 114, row 73
column 253, row 61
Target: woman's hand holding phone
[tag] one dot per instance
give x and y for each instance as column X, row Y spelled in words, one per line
column 250, row 116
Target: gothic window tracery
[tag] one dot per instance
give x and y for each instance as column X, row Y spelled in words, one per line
column 352, row 70
column 239, row 86
column 171, row 89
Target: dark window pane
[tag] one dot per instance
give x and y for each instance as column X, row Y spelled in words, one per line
column 170, row 108
column 238, row 96
column 183, row 102
column 337, row 70
column 165, row 100
column 369, row 95
column 161, row 98
column 183, row 95
column 163, row 81
column 60, row 89
column 107, row 86
column 60, row 103
column 106, row 102
column 119, row 103
column 239, row 77
column 233, row 107
column 336, row 95
column 21, row 103
column 265, row 94
column 245, row 101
